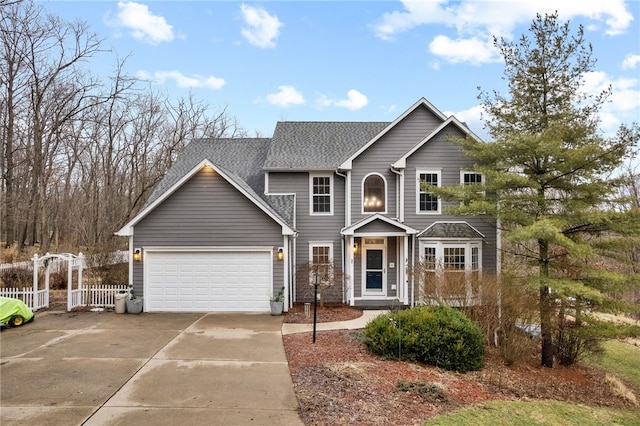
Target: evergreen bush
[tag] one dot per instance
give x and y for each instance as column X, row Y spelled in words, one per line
column 437, row 335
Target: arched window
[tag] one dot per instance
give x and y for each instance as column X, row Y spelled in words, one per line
column 374, row 194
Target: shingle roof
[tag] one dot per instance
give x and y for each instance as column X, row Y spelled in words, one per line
column 307, row 145
column 450, row 230
column 294, row 146
column 242, row 157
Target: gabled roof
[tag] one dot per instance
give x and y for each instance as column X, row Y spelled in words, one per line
column 241, row 156
column 232, row 178
column 348, row 163
column 351, row 230
column 309, row 145
column 451, row 230
column 402, row 161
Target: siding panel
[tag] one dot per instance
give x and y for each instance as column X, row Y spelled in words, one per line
column 208, row 211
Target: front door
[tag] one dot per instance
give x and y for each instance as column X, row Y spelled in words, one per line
column 374, row 267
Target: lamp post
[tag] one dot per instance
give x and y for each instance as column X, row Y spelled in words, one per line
column 315, row 303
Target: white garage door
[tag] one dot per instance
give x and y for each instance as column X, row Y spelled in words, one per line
column 207, row 281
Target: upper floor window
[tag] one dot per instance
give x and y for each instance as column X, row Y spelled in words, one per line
column 321, row 194
column 374, row 194
column 470, row 178
column 427, row 201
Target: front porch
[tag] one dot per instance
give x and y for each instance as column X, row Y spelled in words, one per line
column 377, row 263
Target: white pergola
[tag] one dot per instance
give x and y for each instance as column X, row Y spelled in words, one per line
column 73, row 262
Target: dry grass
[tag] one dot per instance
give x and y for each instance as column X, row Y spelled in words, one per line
column 619, row 388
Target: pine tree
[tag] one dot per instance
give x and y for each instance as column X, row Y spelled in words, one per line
column 549, row 173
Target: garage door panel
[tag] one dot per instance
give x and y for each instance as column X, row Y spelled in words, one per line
column 208, row 281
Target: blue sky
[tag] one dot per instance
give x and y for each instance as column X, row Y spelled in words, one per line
column 350, row 61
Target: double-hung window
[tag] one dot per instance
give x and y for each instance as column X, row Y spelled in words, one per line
column 472, row 179
column 321, row 190
column 428, row 203
column 320, row 258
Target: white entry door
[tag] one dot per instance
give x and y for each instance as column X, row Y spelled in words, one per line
column 374, row 267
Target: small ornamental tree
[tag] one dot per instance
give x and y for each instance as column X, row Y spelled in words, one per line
column 550, row 177
column 326, row 275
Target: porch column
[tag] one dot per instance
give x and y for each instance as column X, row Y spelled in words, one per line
column 405, row 275
column 350, row 268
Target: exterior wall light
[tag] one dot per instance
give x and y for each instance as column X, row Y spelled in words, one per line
column 280, row 253
column 355, row 248
column 137, row 255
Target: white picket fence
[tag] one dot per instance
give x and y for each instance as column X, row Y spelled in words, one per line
column 99, row 295
column 35, row 301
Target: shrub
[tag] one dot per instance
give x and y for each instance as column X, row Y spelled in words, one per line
column 508, row 306
column 573, row 341
column 437, row 335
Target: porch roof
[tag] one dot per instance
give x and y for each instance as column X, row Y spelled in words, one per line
column 451, row 230
column 385, row 226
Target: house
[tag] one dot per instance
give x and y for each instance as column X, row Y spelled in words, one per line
column 234, row 221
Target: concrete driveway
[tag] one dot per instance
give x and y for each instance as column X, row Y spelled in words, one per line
column 102, row 368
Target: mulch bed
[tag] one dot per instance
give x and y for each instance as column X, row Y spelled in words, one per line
column 337, row 381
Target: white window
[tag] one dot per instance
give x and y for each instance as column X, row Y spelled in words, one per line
column 470, row 178
column 451, row 271
column 374, row 194
column 320, row 259
column 321, row 190
column 428, row 203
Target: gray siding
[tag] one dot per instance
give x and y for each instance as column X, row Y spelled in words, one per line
column 441, row 154
column 208, row 211
column 378, row 158
column 312, row 228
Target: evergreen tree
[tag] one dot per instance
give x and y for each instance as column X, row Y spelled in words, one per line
column 550, row 176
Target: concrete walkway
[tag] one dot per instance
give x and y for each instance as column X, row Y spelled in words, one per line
column 353, row 324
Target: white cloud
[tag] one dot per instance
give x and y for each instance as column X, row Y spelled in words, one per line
column 183, row 81
column 476, row 21
column 286, row 95
column 470, row 50
column 262, row 29
column 472, row 117
column 144, row 25
column 630, row 62
column 355, row 101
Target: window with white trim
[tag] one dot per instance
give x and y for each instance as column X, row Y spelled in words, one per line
column 374, row 194
column 321, row 190
column 468, row 178
column 427, row 201
column 451, row 271
column 320, row 258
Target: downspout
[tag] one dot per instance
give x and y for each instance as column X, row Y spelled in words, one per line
column 130, row 260
column 413, row 276
column 400, row 191
column 347, row 220
column 400, row 212
column 347, row 196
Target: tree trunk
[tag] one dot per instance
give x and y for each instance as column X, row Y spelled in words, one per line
column 546, row 328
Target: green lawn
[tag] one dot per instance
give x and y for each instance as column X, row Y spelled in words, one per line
column 531, row 413
column 621, row 359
